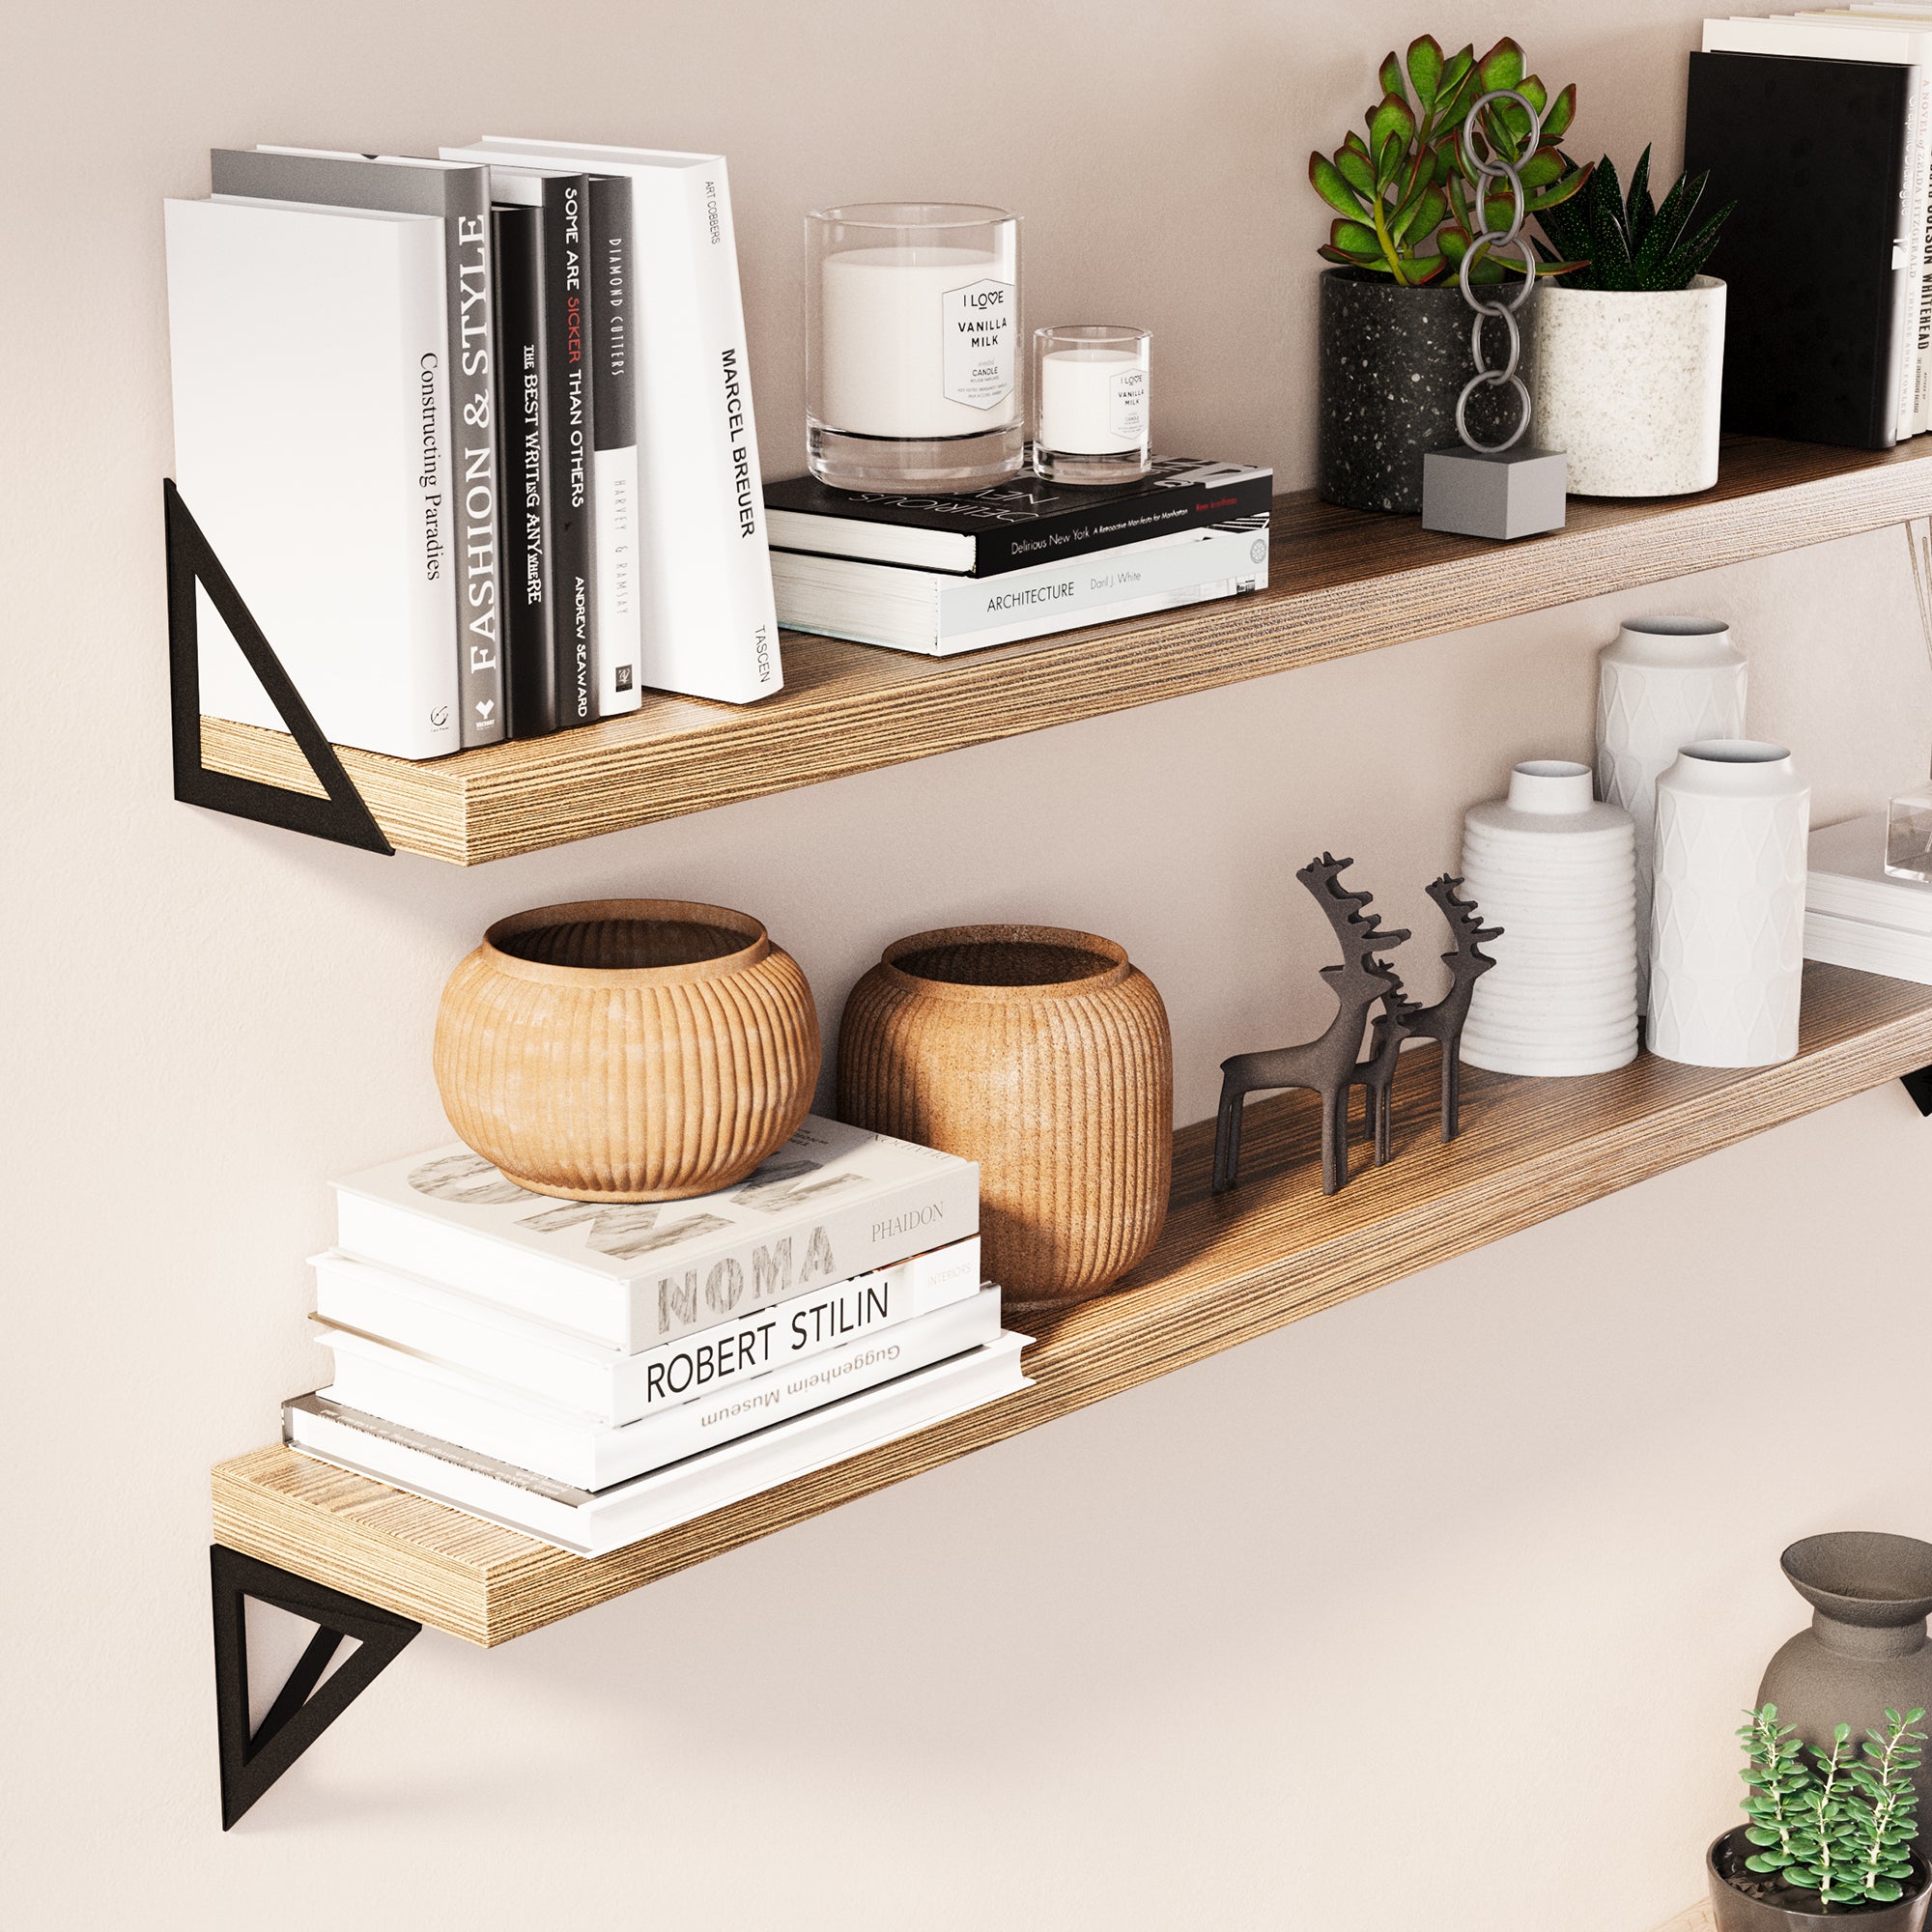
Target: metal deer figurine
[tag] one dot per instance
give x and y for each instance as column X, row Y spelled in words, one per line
column 1443, row 1021
column 1325, row 1066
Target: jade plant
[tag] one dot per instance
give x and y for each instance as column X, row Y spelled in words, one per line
column 1405, row 197
column 1841, row 1827
column 1602, row 238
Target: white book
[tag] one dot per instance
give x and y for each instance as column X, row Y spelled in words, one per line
column 1851, row 37
column 434, row 1399
column 587, row 1524
column 941, row 614
column 834, row 1202
column 1846, row 878
column 708, row 623
column 311, row 412
column 1868, row 947
column 604, row 1384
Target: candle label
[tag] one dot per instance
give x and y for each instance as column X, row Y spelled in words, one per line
column 1127, row 405
column 980, row 325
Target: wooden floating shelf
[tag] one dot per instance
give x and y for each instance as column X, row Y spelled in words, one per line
column 1271, row 1252
column 1343, row 582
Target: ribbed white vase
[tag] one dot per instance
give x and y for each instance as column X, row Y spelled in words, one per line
column 1727, row 932
column 1666, row 683
column 1557, row 870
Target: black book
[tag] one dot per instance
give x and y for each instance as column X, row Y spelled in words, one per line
column 613, row 412
column 522, row 462
column 1016, row 524
column 568, row 403
column 1814, row 153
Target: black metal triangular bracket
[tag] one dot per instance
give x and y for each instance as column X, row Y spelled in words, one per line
column 1919, row 1086
column 253, row 1760
column 343, row 815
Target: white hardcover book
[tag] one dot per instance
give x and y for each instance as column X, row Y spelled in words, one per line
column 311, row 410
column 436, row 1400
column 708, row 623
column 1868, row 947
column 941, row 614
column 834, row 1202
column 1846, row 878
column 587, row 1524
column 1852, row 37
column 604, row 1384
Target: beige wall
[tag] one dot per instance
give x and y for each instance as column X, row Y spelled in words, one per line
column 1440, row 1603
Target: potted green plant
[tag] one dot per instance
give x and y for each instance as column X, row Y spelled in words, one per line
column 1629, row 344
column 1825, row 1841
column 1394, row 336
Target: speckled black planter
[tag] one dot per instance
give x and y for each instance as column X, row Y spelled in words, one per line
column 1393, row 362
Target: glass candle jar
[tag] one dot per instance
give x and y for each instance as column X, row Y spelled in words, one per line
column 1090, row 391
column 912, row 347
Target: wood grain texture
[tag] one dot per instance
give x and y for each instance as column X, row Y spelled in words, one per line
column 1043, row 1055
column 627, row 1049
column 1694, row 1919
column 1341, row 581
column 1224, row 1271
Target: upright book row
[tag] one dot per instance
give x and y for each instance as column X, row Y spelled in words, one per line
column 482, row 463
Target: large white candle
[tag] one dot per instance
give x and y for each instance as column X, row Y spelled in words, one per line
column 1092, row 402
column 917, row 342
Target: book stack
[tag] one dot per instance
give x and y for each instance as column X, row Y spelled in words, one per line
column 941, row 575
column 1856, row 914
column 1829, row 322
column 482, row 463
column 591, row 1373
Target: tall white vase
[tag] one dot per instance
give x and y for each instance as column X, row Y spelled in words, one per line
column 1728, row 935
column 1666, row 683
column 1556, row 871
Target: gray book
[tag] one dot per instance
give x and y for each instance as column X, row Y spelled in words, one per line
column 460, row 195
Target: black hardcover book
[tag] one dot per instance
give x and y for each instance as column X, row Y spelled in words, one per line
column 613, row 407
column 1814, row 153
column 1016, row 524
column 529, row 658
column 568, row 404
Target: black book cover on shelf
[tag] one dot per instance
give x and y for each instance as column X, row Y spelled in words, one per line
column 568, row 404
column 613, row 410
column 1813, row 153
column 521, row 462
column 1015, row 524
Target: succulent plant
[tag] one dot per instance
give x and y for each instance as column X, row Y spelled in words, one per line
column 1602, row 238
column 1411, row 184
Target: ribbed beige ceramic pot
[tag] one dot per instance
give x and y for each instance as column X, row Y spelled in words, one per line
column 1043, row 1055
column 627, row 1049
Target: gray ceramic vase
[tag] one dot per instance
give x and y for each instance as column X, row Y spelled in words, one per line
column 1866, row 1650
column 1393, row 362
column 1781, row 1910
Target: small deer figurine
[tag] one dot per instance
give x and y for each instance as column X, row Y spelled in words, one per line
column 1327, row 1065
column 1443, row 1021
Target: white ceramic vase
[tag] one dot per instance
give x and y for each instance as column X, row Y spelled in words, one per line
column 1666, row 683
column 1557, row 870
column 1727, row 931
column 1628, row 384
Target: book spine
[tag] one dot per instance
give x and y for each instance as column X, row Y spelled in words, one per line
column 476, row 484
column 427, row 379
column 612, row 256
column 809, row 1248
column 523, row 463
column 568, row 403
column 1080, row 532
column 1919, row 231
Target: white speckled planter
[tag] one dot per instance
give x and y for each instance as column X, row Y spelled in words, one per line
column 1628, row 386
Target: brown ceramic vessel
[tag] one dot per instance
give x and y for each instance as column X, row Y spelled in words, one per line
column 1043, row 1055
column 627, row 1049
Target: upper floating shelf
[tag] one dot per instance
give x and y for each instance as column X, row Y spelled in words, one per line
column 1225, row 1270
column 1343, row 582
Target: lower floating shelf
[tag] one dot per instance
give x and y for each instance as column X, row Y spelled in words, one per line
column 1225, row 1270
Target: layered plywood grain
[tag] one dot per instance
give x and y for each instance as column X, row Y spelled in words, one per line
column 1224, row 1271
column 1341, row 583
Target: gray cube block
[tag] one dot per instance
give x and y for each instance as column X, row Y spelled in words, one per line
column 1509, row 492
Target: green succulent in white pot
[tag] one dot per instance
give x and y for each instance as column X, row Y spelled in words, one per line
column 1629, row 346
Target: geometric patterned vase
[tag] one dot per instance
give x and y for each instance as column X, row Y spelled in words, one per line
column 1728, row 942
column 1666, row 683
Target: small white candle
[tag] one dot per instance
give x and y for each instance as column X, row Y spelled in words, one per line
column 917, row 342
column 1092, row 402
